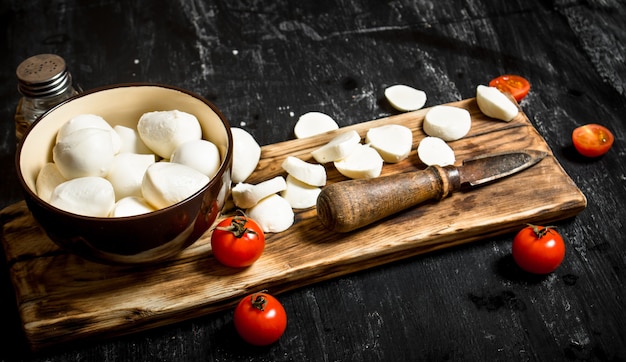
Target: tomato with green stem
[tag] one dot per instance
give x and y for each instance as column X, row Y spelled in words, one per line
column 538, row 249
column 237, row 241
column 592, row 140
column 260, row 319
column 515, row 85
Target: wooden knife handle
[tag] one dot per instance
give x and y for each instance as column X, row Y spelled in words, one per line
column 349, row 205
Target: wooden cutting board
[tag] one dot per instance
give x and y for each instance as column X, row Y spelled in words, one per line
column 63, row 298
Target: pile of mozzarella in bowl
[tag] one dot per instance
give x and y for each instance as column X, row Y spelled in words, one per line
column 99, row 170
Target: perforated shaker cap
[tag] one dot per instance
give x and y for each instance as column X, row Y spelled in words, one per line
column 43, row 75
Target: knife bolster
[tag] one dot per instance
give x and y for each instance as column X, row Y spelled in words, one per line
column 451, row 180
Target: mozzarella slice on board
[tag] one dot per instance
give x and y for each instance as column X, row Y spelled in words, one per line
column 363, row 163
column 246, row 154
column 447, row 122
column 299, row 194
column 405, row 98
column 495, row 104
column 248, row 195
column 393, row 142
column 274, row 214
column 309, row 173
column 314, row 123
column 435, row 151
column 339, row 147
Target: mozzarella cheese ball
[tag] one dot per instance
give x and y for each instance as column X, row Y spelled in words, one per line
column 200, row 155
column 163, row 131
column 89, row 121
column 166, row 183
column 84, row 152
column 48, row 179
column 130, row 141
column 127, row 173
column 87, row 196
column 130, row 206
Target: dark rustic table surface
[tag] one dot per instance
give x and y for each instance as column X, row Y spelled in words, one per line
column 264, row 63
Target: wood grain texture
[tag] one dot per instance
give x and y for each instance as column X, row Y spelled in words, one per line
column 266, row 63
column 63, row 298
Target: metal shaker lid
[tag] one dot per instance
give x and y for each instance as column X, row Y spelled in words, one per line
column 43, row 75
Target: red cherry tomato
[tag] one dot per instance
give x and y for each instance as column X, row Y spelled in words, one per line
column 538, row 249
column 260, row 319
column 237, row 241
column 592, row 140
column 517, row 86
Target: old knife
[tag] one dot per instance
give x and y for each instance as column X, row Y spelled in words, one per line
column 349, row 205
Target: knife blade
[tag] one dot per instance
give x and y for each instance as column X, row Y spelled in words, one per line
column 349, row 205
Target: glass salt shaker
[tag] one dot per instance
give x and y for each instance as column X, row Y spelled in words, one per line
column 43, row 81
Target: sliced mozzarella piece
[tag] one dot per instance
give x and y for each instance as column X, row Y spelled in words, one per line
column 405, row 98
column 246, row 154
column 84, row 152
column 130, row 206
column 127, row 173
column 364, row 162
column 274, row 214
column 130, row 141
column 447, row 122
column 299, row 194
column 314, row 123
column 495, row 104
column 339, row 147
column 309, row 173
column 89, row 121
column 393, row 142
column 166, row 183
column 435, row 151
column 163, row 131
column 200, row 155
column 248, row 195
column 48, row 179
column 87, row 196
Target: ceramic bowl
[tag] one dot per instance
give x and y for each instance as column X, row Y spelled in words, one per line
column 140, row 239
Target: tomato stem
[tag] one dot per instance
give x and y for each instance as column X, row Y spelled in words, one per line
column 238, row 226
column 258, row 301
column 540, row 233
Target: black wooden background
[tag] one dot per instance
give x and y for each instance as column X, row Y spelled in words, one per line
column 264, row 63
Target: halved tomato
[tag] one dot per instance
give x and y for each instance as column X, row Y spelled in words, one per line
column 516, row 85
column 592, row 140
